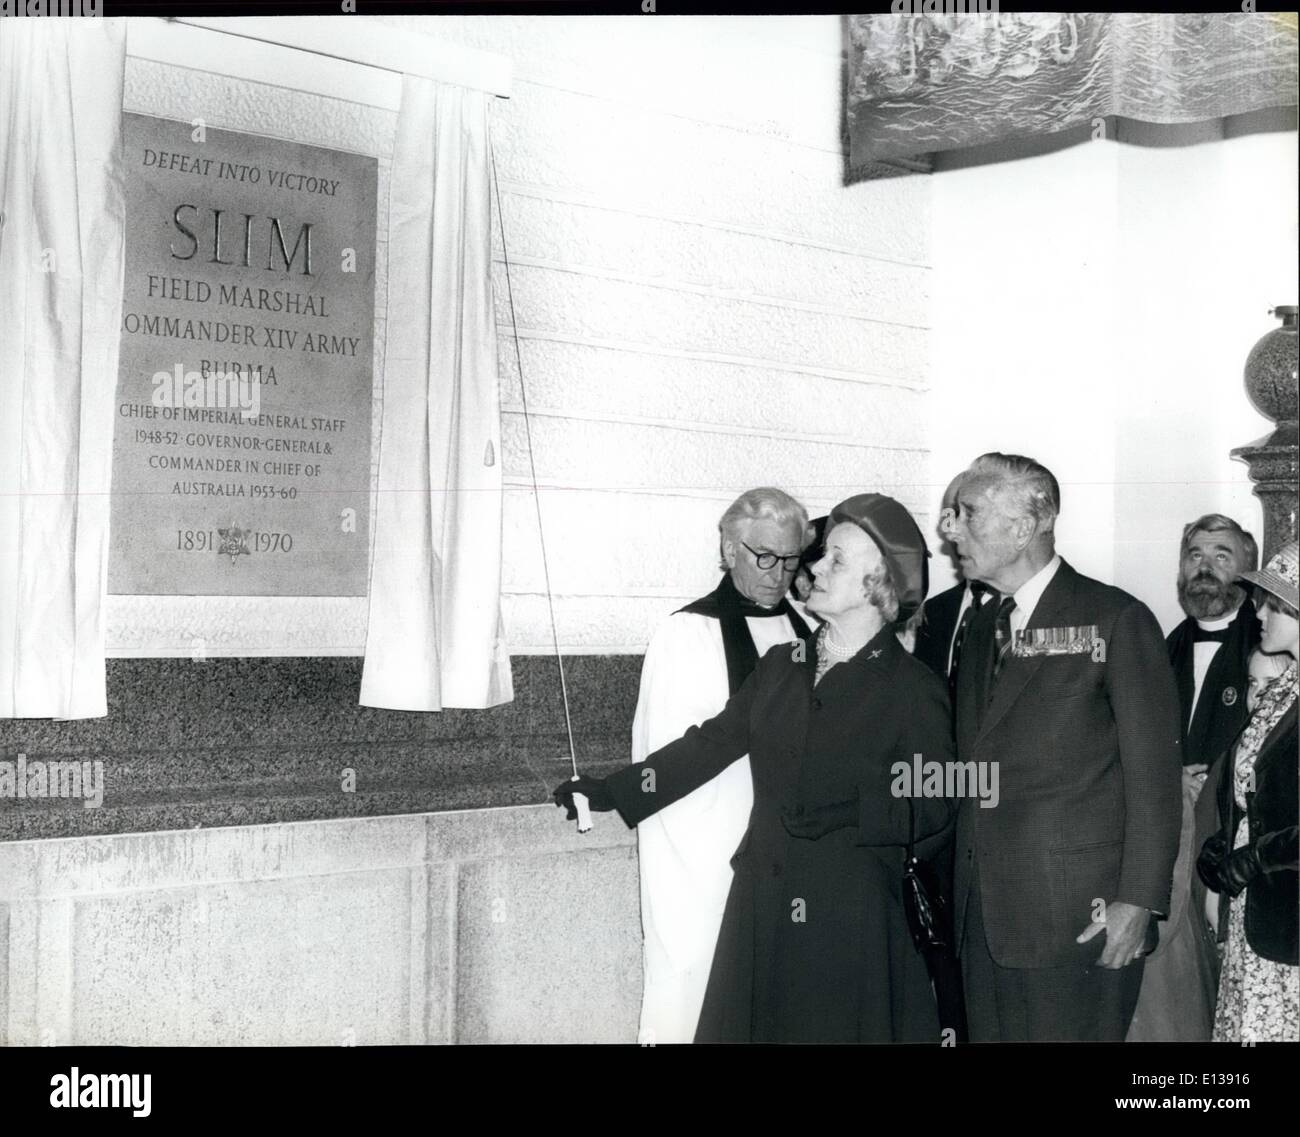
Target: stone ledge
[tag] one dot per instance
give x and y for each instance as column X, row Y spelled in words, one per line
column 51, row 869
column 261, row 741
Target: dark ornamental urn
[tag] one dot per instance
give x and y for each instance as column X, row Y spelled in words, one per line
column 1272, row 381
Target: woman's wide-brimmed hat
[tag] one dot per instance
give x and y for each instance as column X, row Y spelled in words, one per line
column 893, row 529
column 1280, row 576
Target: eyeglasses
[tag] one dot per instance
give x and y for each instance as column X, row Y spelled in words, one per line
column 766, row 560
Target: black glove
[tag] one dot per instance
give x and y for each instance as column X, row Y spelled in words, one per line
column 598, row 797
column 1228, row 871
column 1238, row 869
column 1207, row 864
column 814, row 821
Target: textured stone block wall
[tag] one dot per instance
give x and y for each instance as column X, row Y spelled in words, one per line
column 489, row 926
column 701, row 306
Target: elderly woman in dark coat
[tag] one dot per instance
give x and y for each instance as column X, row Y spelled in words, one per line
column 814, row 945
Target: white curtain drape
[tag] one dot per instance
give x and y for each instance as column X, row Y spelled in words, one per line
column 435, row 637
column 61, row 256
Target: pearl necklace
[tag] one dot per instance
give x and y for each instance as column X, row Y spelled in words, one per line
column 833, row 648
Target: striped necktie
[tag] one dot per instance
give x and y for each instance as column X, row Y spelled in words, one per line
column 1001, row 638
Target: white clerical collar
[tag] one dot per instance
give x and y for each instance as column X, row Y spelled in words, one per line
column 1029, row 593
column 1219, row 624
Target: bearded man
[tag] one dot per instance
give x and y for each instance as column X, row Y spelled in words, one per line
column 1210, row 649
column 1210, row 653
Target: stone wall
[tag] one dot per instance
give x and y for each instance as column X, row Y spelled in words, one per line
column 201, row 743
column 498, row 925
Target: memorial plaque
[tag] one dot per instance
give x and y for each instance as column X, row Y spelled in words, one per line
column 241, row 447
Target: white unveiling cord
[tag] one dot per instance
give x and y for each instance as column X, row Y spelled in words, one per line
column 579, row 800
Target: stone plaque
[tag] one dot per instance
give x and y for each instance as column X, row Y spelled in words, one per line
column 241, row 447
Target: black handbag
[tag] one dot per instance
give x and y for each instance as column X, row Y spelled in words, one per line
column 923, row 902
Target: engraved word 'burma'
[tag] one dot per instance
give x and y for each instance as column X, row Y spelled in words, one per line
column 181, row 388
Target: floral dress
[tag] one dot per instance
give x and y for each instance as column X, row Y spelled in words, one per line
column 1259, row 999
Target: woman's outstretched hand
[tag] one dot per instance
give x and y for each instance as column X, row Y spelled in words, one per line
column 598, row 797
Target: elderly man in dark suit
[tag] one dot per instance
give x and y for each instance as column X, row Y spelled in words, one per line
column 1074, row 698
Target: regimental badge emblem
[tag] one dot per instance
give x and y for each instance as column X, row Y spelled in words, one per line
column 1074, row 640
column 1229, row 696
column 234, row 542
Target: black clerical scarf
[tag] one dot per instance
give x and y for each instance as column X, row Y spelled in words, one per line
column 726, row 604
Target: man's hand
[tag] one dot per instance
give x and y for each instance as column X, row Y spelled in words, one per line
column 1194, row 781
column 813, row 821
column 598, row 797
column 1125, row 926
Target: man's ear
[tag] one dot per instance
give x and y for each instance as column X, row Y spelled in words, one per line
column 1025, row 528
column 729, row 552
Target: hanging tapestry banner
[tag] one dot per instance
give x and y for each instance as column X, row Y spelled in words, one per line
column 919, row 84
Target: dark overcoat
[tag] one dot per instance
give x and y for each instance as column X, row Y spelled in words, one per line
column 1271, row 898
column 814, row 944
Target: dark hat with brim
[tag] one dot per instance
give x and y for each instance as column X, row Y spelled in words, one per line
column 893, row 529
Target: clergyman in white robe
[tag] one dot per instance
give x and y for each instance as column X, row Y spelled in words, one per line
column 685, row 850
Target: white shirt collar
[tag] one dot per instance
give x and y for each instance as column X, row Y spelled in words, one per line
column 1029, row 593
column 1221, row 623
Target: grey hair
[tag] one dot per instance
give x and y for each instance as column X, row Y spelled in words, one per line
column 764, row 503
column 881, row 593
column 949, row 500
column 1221, row 523
column 1033, row 487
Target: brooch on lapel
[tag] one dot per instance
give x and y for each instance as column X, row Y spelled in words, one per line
column 1077, row 640
column 1229, row 696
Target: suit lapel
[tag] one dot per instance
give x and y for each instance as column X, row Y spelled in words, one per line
column 1052, row 606
column 1183, row 672
column 972, row 674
